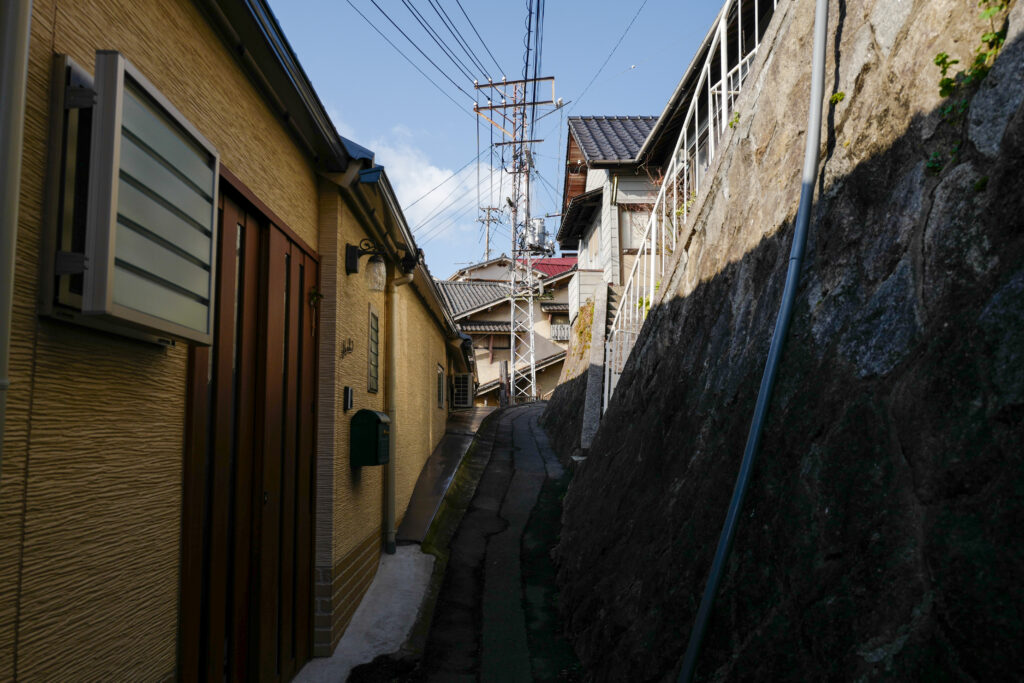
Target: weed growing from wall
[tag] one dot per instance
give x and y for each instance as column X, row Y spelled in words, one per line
column 960, row 85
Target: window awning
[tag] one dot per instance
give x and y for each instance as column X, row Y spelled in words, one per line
column 577, row 216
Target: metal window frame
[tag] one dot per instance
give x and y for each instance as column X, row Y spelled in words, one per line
column 372, row 351
column 440, row 386
column 73, row 91
column 467, row 379
column 112, row 71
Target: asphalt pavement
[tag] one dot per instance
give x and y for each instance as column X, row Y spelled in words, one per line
column 494, row 615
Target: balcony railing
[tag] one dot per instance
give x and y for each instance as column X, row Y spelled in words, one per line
column 710, row 110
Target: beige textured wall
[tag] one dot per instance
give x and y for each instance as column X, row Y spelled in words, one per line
column 491, row 272
column 171, row 43
column 420, row 423
column 90, row 491
column 547, row 380
column 358, row 496
column 354, row 500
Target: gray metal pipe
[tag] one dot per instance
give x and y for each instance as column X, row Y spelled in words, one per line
column 390, row 470
column 15, row 25
column 764, row 395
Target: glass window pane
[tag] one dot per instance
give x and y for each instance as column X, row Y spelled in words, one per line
column 137, row 207
column 138, row 250
column 142, row 294
column 141, row 118
column 143, row 167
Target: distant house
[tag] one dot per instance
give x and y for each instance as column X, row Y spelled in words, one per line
column 629, row 186
column 480, row 306
column 497, row 269
column 607, row 199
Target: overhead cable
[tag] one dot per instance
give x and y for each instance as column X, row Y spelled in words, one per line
column 418, row 49
column 459, row 64
column 608, row 58
column 431, row 190
column 414, row 65
column 457, row 35
column 500, row 70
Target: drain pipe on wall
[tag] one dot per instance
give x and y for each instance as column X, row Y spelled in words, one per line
column 15, row 23
column 390, row 470
column 764, row 394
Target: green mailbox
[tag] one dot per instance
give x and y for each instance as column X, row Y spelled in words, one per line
column 368, row 438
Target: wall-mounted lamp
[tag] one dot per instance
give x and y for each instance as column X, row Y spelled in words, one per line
column 376, row 268
column 346, row 347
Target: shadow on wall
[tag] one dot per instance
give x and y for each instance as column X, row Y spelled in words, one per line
column 563, row 417
column 880, row 537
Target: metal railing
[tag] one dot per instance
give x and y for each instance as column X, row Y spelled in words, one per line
column 710, row 111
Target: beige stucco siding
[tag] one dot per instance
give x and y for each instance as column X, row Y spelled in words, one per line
column 420, row 422
column 495, row 271
column 351, row 501
column 90, row 491
column 358, row 494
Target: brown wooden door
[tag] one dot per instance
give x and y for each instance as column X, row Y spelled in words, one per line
column 247, row 567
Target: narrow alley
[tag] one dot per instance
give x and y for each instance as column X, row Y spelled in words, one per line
column 495, row 616
column 307, row 378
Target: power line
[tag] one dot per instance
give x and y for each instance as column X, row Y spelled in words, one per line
column 546, row 182
column 429, row 79
column 455, row 215
column 606, row 59
column 428, row 192
column 457, row 35
column 536, row 62
column 398, row 28
column 478, row 155
column 500, row 70
column 443, row 207
column 454, row 220
column 459, row 64
column 459, row 203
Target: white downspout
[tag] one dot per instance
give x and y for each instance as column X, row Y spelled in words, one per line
column 15, row 24
column 392, row 389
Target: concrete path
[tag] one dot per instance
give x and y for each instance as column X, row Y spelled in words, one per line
column 387, row 613
column 382, row 621
column 495, row 618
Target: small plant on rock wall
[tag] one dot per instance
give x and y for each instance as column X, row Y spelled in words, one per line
column 734, row 120
column 959, row 85
column 685, row 207
column 837, row 97
column 955, row 83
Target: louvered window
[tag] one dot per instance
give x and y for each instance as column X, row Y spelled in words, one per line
column 134, row 207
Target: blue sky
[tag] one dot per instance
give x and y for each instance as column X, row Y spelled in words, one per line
column 376, row 98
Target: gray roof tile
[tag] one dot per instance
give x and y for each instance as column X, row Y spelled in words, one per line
column 485, row 326
column 611, row 138
column 461, row 297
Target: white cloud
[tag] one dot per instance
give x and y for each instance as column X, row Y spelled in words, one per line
column 445, row 220
column 340, row 125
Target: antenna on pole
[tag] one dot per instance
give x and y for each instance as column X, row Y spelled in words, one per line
column 487, row 220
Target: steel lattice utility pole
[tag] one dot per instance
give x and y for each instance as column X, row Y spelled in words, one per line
column 528, row 239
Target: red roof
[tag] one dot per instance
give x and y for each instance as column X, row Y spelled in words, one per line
column 554, row 266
